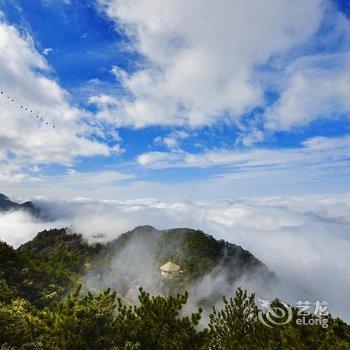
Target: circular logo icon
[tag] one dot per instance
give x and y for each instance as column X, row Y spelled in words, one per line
column 274, row 315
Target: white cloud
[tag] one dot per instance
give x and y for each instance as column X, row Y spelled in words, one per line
column 93, row 178
column 301, row 239
column 56, row 2
column 319, row 165
column 304, row 239
column 318, row 87
column 24, row 78
column 47, row 51
column 19, row 227
column 102, row 100
column 161, row 159
column 202, row 56
column 315, row 151
column 78, row 181
column 172, row 141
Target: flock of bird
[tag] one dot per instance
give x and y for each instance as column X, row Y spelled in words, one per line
column 28, row 110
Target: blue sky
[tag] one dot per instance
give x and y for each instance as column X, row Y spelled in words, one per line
column 230, row 116
column 175, row 99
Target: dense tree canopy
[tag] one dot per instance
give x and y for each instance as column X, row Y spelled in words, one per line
column 104, row 321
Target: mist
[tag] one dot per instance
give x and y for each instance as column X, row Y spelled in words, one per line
column 304, row 240
column 18, row 227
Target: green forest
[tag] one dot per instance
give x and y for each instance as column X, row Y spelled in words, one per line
column 44, row 303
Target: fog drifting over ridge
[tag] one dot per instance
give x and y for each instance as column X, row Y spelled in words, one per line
column 305, row 240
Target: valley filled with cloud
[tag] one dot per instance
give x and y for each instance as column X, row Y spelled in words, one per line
column 304, row 240
column 230, row 117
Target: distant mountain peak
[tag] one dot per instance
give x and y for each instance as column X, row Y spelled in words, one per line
column 144, row 228
column 6, row 204
column 4, row 198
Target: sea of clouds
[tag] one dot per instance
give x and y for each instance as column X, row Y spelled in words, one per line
column 305, row 240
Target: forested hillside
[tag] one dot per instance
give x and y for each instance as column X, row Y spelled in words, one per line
column 46, row 268
column 45, row 302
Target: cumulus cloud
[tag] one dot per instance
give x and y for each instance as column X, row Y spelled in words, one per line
column 202, row 58
column 318, row 87
column 24, row 140
column 172, row 141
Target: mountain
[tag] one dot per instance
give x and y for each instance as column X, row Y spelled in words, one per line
column 135, row 257
column 7, row 205
column 44, row 274
column 47, row 267
column 37, row 313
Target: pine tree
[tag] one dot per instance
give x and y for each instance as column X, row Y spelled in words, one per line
column 236, row 326
column 157, row 323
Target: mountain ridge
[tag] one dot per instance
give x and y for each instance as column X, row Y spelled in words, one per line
column 132, row 260
column 7, row 205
